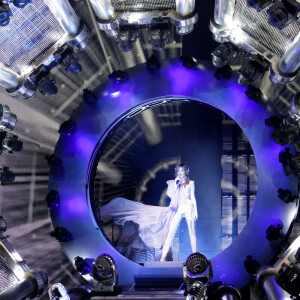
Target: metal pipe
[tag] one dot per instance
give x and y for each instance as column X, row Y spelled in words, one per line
column 224, row 10
column 290, row 62
column 272, row 289
column 103, row 9
column 185, row 7
column 8, row 78
column 65, row 15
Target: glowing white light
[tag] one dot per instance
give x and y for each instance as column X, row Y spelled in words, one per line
column 19, row 272
column 115, row 94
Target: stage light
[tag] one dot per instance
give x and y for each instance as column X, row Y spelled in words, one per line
column 9, row 143
column 286, row 196
column 290, row 163
column 8, row 120
column 53, row 199
column 275, row 121
column 188, row 62
column 5, row 14
column 259, row 5
column 58, row 292
column 252, row 70
column 6, row 176
column 251, row 265
column 196, row 263
column 61, row 234
column 159, row 35
column 72, row 64
column 105, row 273
column 227, row 292
column 288, row 278
column 253, row 93
column 82, row 266
column 153, row 64
column 274, row 233
column 21, row 3
column 118, row 77
column 285, row 134
column 198, row 291
column 283, row 13
column 55, row 164
column 126, row 39
column 3, row 224
column 30, row 287
column 89, row 97
column 223, row 55
column 67, row 127
column 223, row 73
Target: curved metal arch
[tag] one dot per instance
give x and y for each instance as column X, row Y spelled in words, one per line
column 94, row 124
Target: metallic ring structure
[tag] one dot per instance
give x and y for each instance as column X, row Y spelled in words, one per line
column 143, row 90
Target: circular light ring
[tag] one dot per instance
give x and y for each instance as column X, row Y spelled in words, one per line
column 144, row 89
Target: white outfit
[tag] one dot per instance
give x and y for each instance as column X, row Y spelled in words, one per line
column 184, row 204
column 157, row 225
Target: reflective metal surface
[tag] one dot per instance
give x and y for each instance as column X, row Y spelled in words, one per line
column 103, row 9
column 65, row 15
column 185, row 7
column 8, row 78
column 224, row 10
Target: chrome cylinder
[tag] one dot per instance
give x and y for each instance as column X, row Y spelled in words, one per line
column 272, row 289
column 224, row 10
column 8, row 78
column 103, row 9
column 185, row 7
column 65, row 15
column 290, row 62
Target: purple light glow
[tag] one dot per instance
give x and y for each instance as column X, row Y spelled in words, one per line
column 76, row 205
column 85, row 145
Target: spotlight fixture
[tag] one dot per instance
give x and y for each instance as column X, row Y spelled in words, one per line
column 251, row 265
column 252, row 70
column 118, row 77
column 227, row 292
column 55, row 164
column 224, row 54
column 223, row 73
column 8, row 120
column 21, row 3
column 282, row 13
column 290, row 163
column 275, row 122
column 42, row 79
column 82, row 266
column 274, row 233
column 159, row 35
column 253, row 93
column 58, row 292
column 53, row 199
column 153, row 64
column 196, row 269
column 61, row 234
column 188, row 62
column 67, row 127
column 89, row 97
column 286, row 196
column 6, row 176
column 5, row 14
column 105, row 273
column 3, row 224
column 9, row 143
column 288, row 278
column 259, row 5
column 126, row 38
column 198, row 291
column 285, row 134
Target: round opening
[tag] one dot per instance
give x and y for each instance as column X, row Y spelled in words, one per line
column 149, row 209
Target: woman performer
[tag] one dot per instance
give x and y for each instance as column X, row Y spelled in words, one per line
column 158, row 225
